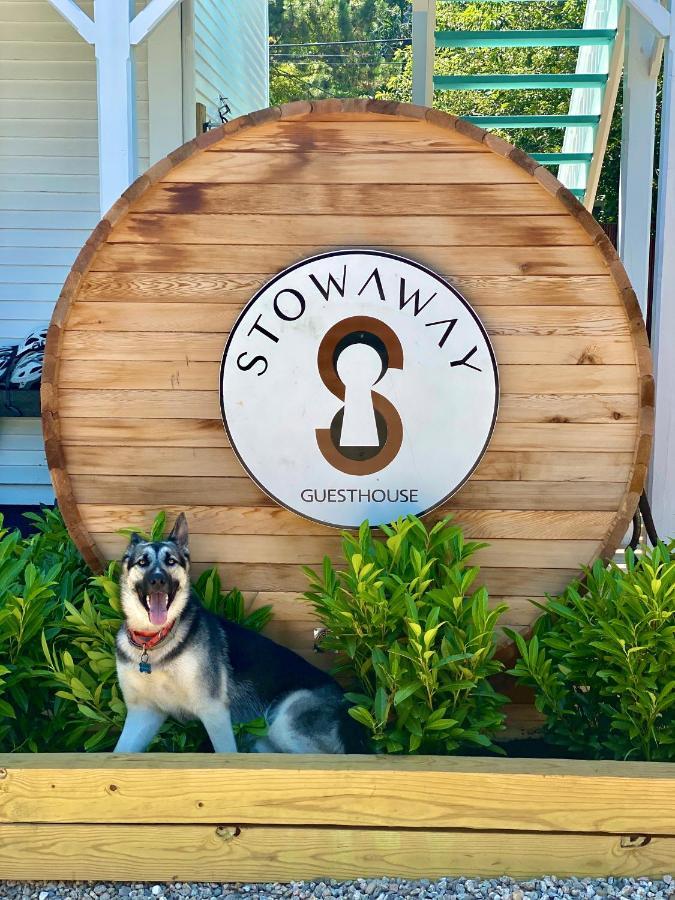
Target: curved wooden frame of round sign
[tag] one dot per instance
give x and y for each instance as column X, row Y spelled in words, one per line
column 129, row 387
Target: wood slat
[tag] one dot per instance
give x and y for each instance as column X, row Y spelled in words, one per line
column 179, row 404
column 451, row 231
column 471, row 261
column 528, row 349
column 312, row 167
column 341, row 137
column 190, row 317
column 205, row 462
column 260, row 854
column 157, row 490
column 309, row 550
column 513, row 436
column 516, row 290
column 377, row 199
column 184, row 375
column 219, row 520
column 410, row 792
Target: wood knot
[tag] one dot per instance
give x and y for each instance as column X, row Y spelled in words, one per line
column 589, row 358
column 633, row 841
column 617, row 415
column 112, row 788
column 3, row 773
column 559, row 419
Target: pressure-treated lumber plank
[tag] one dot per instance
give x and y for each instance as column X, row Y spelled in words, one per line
column 470, row 261
column 356, row 168
column 557, row 525
column 451, row 231
column 261, row 854
column 154, row 489
column 412, row 792
column 317, row 199
column 528, row 349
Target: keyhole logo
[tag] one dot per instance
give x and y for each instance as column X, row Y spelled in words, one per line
column 355, row 385
column 367, row 432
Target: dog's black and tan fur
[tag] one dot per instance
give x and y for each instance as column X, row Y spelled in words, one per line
column 209, row 669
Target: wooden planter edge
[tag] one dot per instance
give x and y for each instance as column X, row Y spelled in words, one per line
column 163, row 817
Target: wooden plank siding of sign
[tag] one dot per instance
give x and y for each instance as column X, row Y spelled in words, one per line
column 132, row 385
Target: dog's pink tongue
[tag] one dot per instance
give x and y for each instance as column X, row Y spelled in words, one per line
column 158, row 608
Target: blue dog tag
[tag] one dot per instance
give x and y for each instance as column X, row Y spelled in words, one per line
column 144, row 665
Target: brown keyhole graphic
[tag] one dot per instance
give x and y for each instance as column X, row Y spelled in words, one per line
column 366, row 433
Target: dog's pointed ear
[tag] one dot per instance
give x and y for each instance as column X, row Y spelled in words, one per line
column 179, row 532
column 134, row 540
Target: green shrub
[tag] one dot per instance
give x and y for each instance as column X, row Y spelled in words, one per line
column 58, row 686
column 602, row 661
column 416, row 645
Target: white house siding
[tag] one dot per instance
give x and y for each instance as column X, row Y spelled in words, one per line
column 231, row 55
column 48, row 192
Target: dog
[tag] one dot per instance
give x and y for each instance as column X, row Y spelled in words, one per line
column 174, row 658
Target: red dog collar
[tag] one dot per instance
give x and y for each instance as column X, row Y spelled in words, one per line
column 149, row 639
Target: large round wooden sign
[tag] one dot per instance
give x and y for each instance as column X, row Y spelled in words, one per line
column 132, row 381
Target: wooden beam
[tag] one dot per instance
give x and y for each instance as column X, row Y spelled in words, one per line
column 116, row 100
column 257, row 853
column 663, row 315
column 423, row 50
column 653, row 13
column 148, row 18
column 637, row 154
column 80, row 21
column 481, row 794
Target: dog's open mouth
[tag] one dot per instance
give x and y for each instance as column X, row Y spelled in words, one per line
column 157, row 603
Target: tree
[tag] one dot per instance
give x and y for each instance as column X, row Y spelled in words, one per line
column 385, row 69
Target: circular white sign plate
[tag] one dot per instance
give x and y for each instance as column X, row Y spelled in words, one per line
column 359, row 385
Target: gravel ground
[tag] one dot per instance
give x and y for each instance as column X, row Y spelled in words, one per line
column 372, row 889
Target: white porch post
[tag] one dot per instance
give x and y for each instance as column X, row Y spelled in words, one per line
column 116, row 90
column 113, row 32
column 643, row 51
column 423, row 49
column 663, row 314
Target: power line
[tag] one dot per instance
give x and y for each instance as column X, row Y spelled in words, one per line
column 333, row 43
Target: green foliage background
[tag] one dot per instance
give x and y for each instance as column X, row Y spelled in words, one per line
column 385, row 70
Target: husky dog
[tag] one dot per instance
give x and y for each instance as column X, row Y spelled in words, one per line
column 176, row 659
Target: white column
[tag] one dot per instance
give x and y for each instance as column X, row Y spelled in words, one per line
column 663, row 314
column 642, row 55
column 116, row 99
column 423, row 49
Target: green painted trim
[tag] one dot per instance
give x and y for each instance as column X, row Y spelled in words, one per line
column 567, row 37
column 533, row 121
column 517, row 82
column 555, row 159
column 579, row 193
